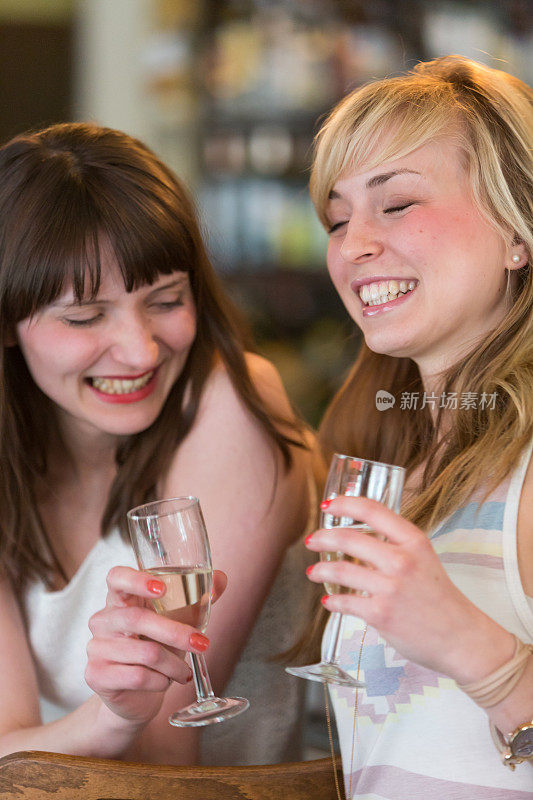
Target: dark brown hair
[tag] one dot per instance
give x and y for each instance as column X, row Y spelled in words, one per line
column 63, row 192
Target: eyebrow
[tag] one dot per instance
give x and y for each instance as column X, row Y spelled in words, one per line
column 378, row 180
column 176, row 283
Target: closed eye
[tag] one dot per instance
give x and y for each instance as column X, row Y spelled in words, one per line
column 336, row 226
column 169, row 304
column 80, row 323
column 396, row 209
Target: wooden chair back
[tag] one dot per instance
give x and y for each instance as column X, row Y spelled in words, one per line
column 53, row 776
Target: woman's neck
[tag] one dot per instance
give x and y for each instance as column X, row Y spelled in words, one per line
column 84, row 460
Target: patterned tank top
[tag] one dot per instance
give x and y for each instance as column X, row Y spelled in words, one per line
column 416, row 736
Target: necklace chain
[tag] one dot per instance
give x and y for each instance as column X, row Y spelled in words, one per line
column 330, row 734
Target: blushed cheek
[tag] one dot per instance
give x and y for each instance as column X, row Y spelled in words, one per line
column 187, row 334
column 57, row 356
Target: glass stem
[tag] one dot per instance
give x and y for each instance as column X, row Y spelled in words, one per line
column 331, row 650
column 202, row 681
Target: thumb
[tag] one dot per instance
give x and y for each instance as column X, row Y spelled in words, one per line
column 220, row 580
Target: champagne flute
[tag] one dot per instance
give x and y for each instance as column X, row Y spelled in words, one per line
column 170, row 541
column 355, row 477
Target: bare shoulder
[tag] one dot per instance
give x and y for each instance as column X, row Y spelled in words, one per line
column 221, row 402
column 229, row 451
column 265, row 378
column 226, row 424
column 525, row 531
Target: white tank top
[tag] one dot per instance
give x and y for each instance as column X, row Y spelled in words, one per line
column 417, row 736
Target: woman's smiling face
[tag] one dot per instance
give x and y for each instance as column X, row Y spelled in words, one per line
column 109, row 363
column 418, row 267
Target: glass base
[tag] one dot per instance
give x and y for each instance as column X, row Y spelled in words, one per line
column 209, row 711
column 325, row 673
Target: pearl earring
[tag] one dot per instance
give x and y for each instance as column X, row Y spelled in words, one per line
column 516, row 258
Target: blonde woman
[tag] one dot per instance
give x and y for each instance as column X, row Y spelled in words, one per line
column 424, row 185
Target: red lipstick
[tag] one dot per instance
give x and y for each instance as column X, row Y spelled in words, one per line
column 127, row 397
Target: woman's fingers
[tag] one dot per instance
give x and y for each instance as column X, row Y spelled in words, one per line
column 390, row 554
column 141, row 653
column 128, row 618
column 378, row 517
column 355, row 604
column 125, row 583
column 220, row 581
column 352, row 576
column 108, row 678
column 139, row 621
column 362, row 545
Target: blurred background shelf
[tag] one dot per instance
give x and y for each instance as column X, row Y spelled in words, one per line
column 231, row 94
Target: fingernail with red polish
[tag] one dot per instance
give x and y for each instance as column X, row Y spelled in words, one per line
column 308, row 538
column 199, row 642
column 310, row 569
column 324, row 599
column 156, row 587
column 325, row 503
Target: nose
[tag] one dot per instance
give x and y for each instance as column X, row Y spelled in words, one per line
column 134, row 343
column 361, row 242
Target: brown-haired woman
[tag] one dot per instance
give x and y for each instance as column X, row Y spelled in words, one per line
column 124, row 378
column 424, row 183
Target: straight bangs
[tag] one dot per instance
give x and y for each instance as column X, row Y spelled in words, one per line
column 377, row 123
column 147, row 230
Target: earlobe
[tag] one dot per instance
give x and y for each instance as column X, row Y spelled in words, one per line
column 518, row 255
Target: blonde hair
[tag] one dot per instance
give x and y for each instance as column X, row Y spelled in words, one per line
column 489, row 114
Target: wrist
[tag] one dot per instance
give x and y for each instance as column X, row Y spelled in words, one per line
column 480, row 649
column 113, row 734
column 517, row 707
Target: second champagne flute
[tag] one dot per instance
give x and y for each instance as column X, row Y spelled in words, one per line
column 355, row 477
column 170, row 542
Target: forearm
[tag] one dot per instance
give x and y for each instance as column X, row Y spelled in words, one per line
column 90, row 730
column 160, row 743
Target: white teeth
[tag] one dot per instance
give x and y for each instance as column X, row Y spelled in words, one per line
column 374, row 294
column 121, row 386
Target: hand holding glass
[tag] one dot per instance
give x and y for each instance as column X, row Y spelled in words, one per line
column 170, row 542
column 355, row 477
